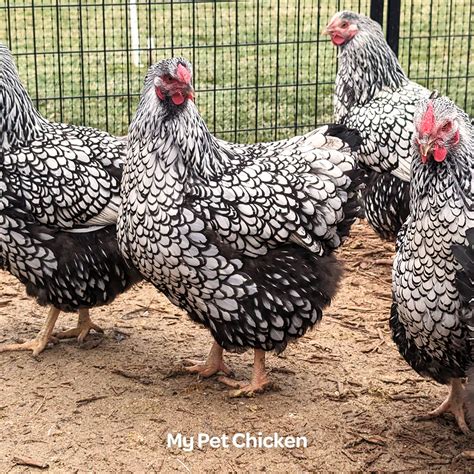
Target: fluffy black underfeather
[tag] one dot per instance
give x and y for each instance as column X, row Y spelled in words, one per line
column 90, row 269
column 448, row 365
column 96, row 258
column 387, row 192
column 316, row 278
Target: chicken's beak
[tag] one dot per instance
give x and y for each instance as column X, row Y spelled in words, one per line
column 328, row 30
column 330, row 27
column 425, row 150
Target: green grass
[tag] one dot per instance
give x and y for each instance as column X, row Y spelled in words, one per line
column 276, row 90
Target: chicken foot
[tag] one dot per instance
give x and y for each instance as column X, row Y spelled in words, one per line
column 213, row 364
column 44, row 337
column 453, row 404
column 259, row 382
column 84, row 326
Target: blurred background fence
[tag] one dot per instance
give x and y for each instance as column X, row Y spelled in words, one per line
column 263, row 70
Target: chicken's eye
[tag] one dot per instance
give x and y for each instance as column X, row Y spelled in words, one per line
column 167, row 78
column 447, row 127
column 344, row 24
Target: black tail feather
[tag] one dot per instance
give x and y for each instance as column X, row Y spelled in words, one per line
column 351, row 136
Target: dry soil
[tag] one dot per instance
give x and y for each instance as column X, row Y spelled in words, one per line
column 109, row 405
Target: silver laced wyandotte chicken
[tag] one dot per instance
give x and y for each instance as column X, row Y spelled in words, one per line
column 432, row 309
column 59, row 197
column 240, row 237
column 464, row 255
column 374, row 95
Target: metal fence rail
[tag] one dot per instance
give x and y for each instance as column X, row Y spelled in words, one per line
column 262, row 68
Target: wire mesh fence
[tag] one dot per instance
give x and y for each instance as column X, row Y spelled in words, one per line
column 437, row 43
column 262, row 68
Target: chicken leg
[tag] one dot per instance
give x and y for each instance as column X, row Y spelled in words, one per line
column 84, row 326
column 38, row 344
column 454, row 404
column 258, row 383
column 213, row 364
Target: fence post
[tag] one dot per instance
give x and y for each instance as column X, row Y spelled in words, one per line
column 135, row 37
column 393, row 24
column 376, row 10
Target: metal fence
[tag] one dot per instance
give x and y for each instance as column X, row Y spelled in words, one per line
column 263, row 70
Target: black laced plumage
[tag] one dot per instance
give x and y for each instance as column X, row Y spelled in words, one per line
column 433, row 271
column 240, row 236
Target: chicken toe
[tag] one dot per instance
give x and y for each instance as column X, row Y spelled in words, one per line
column 212, row 365
column 453, row 404
column 44, row 337
column 258, row 384
column 84, row 326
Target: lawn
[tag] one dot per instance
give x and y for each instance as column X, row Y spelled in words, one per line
column 262, row 68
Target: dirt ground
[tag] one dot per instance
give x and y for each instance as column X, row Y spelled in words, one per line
column 110, row 404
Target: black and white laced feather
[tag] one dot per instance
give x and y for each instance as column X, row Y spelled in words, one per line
column 59, row 198
column 239, row 236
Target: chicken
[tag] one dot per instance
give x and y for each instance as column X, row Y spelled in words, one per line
column 430, row 311
column 464, row 255
column 59, row 197
column 241, row 237
column 375, row 96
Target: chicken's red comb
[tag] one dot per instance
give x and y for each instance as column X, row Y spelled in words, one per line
column 428, row 120
column 183, row 74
